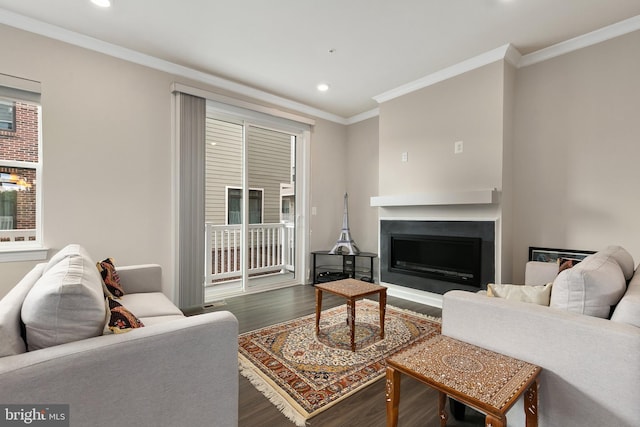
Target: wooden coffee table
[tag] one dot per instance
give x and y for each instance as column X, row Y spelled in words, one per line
column 352, row 290
column 487, row 381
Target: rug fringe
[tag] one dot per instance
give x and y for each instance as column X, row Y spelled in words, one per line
column 247, row 371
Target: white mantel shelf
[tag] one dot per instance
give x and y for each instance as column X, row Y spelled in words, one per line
column 470, row 197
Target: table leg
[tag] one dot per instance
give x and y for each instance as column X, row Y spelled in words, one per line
column 531, row 405
column 351, row 318
column 442, row 410
column 491, row 421
column 318, row 309
column 383, row 309
column 392, row 396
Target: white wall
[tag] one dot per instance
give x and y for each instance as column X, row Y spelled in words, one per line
column 426, row 123
column 107, row 143
column 328, row 183
column 362, row 180
column 577, row 128
column 106, row 152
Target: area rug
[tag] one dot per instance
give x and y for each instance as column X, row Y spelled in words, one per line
column 303, row 375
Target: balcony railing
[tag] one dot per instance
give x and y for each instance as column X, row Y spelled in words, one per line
column 271, row 249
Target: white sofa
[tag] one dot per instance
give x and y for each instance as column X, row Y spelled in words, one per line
column 174, row 371
column 591, row 365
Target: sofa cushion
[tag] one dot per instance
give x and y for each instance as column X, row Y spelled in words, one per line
column 120, row 319
column 592, row 287
column 628, row 309
column 110, row 277
column 66, row 304
column 156, row 320
column 535, row 294
column 150, row 304
column 11, row 340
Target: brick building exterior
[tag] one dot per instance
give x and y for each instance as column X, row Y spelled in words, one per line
column 22, row 145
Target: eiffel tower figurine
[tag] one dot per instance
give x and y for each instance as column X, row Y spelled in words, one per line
column 345, row 244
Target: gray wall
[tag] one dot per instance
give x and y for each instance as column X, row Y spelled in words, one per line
column 577, row 134
column 559, row 138
column 574, row 121
column 362, row 180
column 426, row 124
column 108, row 155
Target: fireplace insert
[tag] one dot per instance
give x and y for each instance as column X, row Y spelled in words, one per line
column 446, row 258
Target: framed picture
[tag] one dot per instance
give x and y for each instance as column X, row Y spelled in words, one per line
column 553, row 255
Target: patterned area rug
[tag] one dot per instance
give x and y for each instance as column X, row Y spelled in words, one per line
column 303, row 374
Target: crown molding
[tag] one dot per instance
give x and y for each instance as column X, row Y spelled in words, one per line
column 449, row 72
column 589, row 39
column 363, row 116
column 507, row 52
column 512, row 55
column 22, row 22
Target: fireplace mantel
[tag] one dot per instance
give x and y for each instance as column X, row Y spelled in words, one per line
column 434, row 198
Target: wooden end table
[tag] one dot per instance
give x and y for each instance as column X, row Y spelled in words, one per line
column 352, row 290
column 487, row 381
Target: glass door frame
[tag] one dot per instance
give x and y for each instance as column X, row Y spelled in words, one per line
column 302, row 135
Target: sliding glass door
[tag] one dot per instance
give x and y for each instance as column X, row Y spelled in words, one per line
column 250, row 206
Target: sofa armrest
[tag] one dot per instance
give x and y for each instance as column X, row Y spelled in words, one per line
column 590, row 371
column 183, row 372
column 140, row 278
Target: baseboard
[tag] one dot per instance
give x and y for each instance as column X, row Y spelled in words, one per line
column 423, row 297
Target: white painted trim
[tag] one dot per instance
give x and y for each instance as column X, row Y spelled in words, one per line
column 54, row 32
column 507, row 52
column 363, row 116
column 447, row 73
column 208, row 95
column 439, row 198
column 435, row 218
column 415, row 295
column 20, row 84
column 513, row 56
column 24, row 254
column 603, row 34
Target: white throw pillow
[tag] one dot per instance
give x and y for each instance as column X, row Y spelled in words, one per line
column 592, row 287
column 523, row 293
column 628, row 309
column 622, row 257
column 66, row 304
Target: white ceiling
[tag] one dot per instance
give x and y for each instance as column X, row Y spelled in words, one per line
column 282, row 47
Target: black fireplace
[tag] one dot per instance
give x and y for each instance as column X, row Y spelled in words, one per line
column 437, row 256
column 447, row 258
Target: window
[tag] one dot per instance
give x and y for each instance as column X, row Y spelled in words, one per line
column 234, row 206
column 20, row 171
column 7, row 116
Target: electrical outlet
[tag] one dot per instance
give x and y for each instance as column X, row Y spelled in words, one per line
column 458, row 147
column 405, row 157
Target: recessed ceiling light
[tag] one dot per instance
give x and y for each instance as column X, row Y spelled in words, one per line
column 323, row 87
column 102, row 3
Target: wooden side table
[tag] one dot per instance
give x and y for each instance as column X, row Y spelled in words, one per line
column 352, row 290
column 487, row 381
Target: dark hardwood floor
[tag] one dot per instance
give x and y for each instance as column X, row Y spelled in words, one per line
column 366, row 408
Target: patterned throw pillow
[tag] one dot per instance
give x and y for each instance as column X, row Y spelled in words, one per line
column 110, row 277
column 120, row 319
